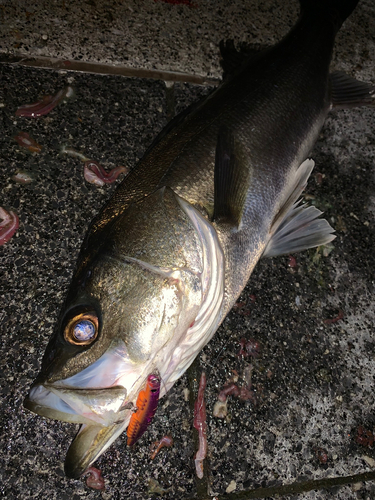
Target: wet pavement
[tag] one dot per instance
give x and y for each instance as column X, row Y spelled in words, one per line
column 311, row 412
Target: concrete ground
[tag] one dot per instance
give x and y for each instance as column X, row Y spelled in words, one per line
column 312, row 417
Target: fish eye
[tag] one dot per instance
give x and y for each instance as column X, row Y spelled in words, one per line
column 82, row 329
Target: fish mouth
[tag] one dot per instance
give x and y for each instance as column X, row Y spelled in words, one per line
column 98, row 395
column 96, row 398
column 103, row 413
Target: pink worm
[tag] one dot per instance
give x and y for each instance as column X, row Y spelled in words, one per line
column 45, row 105
column 94, row 479
column 229, row 390
column 330, row 321
column 8, row 225
column 24, row 140
column 95, row 173
column 201, row 426
column 249, row 348
column 158, row 445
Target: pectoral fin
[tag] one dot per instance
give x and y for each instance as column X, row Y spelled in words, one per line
column 231, row 179
column 347, row 92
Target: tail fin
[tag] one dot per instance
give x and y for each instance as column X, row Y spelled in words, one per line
column 338, row 9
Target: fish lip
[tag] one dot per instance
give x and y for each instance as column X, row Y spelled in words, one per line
column 29, row 404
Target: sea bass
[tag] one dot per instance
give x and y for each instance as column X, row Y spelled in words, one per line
column 167, row 257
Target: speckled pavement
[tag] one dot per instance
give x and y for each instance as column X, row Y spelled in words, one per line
column 313, row 380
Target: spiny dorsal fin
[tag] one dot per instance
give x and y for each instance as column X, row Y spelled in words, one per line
column 347, row 92
column 230, row 181
column 232, row 60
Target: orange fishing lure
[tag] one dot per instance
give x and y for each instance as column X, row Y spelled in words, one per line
column 146, row 404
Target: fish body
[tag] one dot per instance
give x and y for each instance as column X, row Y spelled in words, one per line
column 167, row 257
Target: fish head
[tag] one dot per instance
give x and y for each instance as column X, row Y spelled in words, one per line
column 134, row 308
